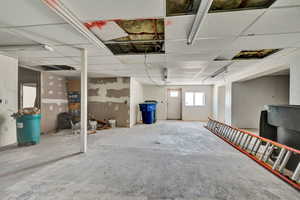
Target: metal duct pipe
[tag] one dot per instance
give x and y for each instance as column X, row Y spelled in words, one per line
column 60, row 9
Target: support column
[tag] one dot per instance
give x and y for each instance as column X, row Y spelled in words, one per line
column 84, row 112
column 294, row 85
column 228, row 103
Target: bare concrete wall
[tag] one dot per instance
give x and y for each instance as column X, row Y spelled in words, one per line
column 8, row 93
column 109, row 98
column 54, row 100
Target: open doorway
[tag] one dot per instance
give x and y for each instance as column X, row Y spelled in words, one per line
column 174, row 104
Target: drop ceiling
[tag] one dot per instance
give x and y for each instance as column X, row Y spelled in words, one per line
column 223, row 34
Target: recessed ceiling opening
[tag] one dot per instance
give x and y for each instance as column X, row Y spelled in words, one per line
column 57, row 68
column 131, row 36
column 234, row 5
column 182, row 7
column 254, row 54
column 189, row 7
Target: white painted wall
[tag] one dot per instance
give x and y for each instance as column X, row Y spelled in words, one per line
column 221, row 103
column 152, row 92
column 228, row 103
column 200, row 113
column 295, row 84
column 136, row 97
column 250, row 97
column 8, row 92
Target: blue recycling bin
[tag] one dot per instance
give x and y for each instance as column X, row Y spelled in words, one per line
column 148, row 112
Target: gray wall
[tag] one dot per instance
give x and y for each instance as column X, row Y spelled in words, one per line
column 54, row 100
column 250, row 97
column 109, row 98
column 8, row 92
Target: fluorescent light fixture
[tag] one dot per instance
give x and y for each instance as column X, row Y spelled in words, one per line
column 61, row 10
column 220, row 71
column 38, row 47
column 199, row 20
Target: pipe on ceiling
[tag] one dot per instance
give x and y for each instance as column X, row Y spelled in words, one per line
column 61, row 10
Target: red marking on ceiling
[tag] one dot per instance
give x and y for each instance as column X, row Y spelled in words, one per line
column 169, row 22
column 52, row 3
column 99, row 24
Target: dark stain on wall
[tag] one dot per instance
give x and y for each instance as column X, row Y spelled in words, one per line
column 117, row 93
column 109, row 110
column 93, row 92
column 102, row 80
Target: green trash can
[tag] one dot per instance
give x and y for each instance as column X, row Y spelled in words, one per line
column 28, row 129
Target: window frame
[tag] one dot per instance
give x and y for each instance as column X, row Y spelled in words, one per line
column 194, row 99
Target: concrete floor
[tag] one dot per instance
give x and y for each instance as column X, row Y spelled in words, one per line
column 170, row 161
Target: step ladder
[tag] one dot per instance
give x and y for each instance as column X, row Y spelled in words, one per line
column 269, row 154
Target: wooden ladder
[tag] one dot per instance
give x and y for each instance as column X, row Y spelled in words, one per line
column 269, row 154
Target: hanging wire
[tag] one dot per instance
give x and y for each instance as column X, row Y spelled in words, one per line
column 148, row 74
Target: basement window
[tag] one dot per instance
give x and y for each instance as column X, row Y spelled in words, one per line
column 255, row 54
column 194, row 99
column 138, row 36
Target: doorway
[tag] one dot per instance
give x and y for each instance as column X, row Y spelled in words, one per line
column 174, row 104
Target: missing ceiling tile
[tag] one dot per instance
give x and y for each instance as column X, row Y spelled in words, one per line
column 141, row 36
column 255, row 54
column 234, row 5
column 56, row 68
column 189, row 7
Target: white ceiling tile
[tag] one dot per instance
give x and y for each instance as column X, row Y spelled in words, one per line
column 94, row 60
column 115, row 9
column 280, row 3
column 199, row 46
column 55, row 34
column 7, row 38
column 282, row 20
column 214, row 66
column 140, row 59
column 49, row 61
column 266, row 41
column 26, row 12
column 216, row 25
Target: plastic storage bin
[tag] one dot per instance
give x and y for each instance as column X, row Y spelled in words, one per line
column 148, row 110
column 154, row 102
column 28, row 129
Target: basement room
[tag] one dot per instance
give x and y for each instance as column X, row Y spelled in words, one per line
column 150, row 100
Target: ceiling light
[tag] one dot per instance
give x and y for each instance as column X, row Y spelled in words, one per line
column 199, row 20
column 38, row 47
column 220, row 71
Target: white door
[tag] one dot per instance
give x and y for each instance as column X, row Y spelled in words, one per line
column 174, row 104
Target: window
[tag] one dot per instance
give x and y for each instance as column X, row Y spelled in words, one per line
column 29, row 95
column 174, row 93
column 194, row 99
